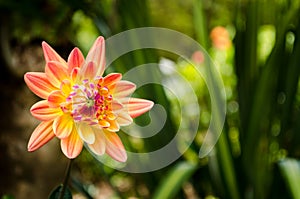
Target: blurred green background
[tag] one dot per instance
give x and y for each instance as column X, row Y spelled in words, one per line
column 254, row 43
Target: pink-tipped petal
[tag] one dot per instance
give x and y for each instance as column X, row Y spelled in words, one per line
column 72, row 145
column 111, row 79
column 74, row 74
column 116, row 106
column 39, row 84
column 56, row 73
column 114, row 146
column 63, row 126
column 98, row 147
column 124, row 119
column 97, row 55
column 42, row 134
column 42, row 111
column 89, row 71
column 56, row 98
column 86, row 132
column 137, row 107
column 75, row 59
column 51, row 55
column 124, row 89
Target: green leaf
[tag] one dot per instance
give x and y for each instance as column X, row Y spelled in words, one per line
column 226, row 164
column 290, row 170
column 55, row 194
column 171, row 184
column 7, row 197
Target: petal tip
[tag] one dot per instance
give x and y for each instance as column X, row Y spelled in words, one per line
column 45, row 46
column 100, row 39
column 50, row 54
column 151, row 104
column 30, row 148
column 72, row 145
column 97, row 55
column 114, row 147
column 75, row 59
column 123, row 158
column 139, row 106
column 40, row 136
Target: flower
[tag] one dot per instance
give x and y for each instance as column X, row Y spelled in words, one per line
column 80, row 106
column 220, row 38
column 198, row 57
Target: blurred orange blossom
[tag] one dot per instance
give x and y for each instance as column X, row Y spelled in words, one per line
column 220, row 38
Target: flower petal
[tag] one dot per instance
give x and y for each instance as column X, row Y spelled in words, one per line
column 98, row 147
column 56, row 98
column 114, row 126
column 97, row 55
column 42, row 111
column 124, row 89
column 72, row 145
column 74, row 74
column 111, row 79
column 63, row 126
column 75, row 59
column 124, row 119
column 51, row 55
column 39, row 84
column 42, row 134
column 136, row 106
column 114, row 146
column 56, row 73
column 89, row 71
column 86, row 132
column 65, row 87
column 116, row 106
column 103, row 123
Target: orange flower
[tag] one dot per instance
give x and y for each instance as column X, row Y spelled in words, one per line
column 80, row 106
column 220, row 38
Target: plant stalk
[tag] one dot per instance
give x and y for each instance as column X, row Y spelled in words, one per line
column 66, row 179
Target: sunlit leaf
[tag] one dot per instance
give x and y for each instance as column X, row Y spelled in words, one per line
column 173, row 181
column 290, row 170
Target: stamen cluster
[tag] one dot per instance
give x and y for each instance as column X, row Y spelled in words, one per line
column 92, row 103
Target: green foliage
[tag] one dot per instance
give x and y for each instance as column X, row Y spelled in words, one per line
column 173, row 181
column 290, row 169
column 7, row 197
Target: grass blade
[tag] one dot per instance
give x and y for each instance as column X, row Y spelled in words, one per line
column 172, row 183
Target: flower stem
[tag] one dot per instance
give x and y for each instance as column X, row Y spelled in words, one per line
column 66, row 179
